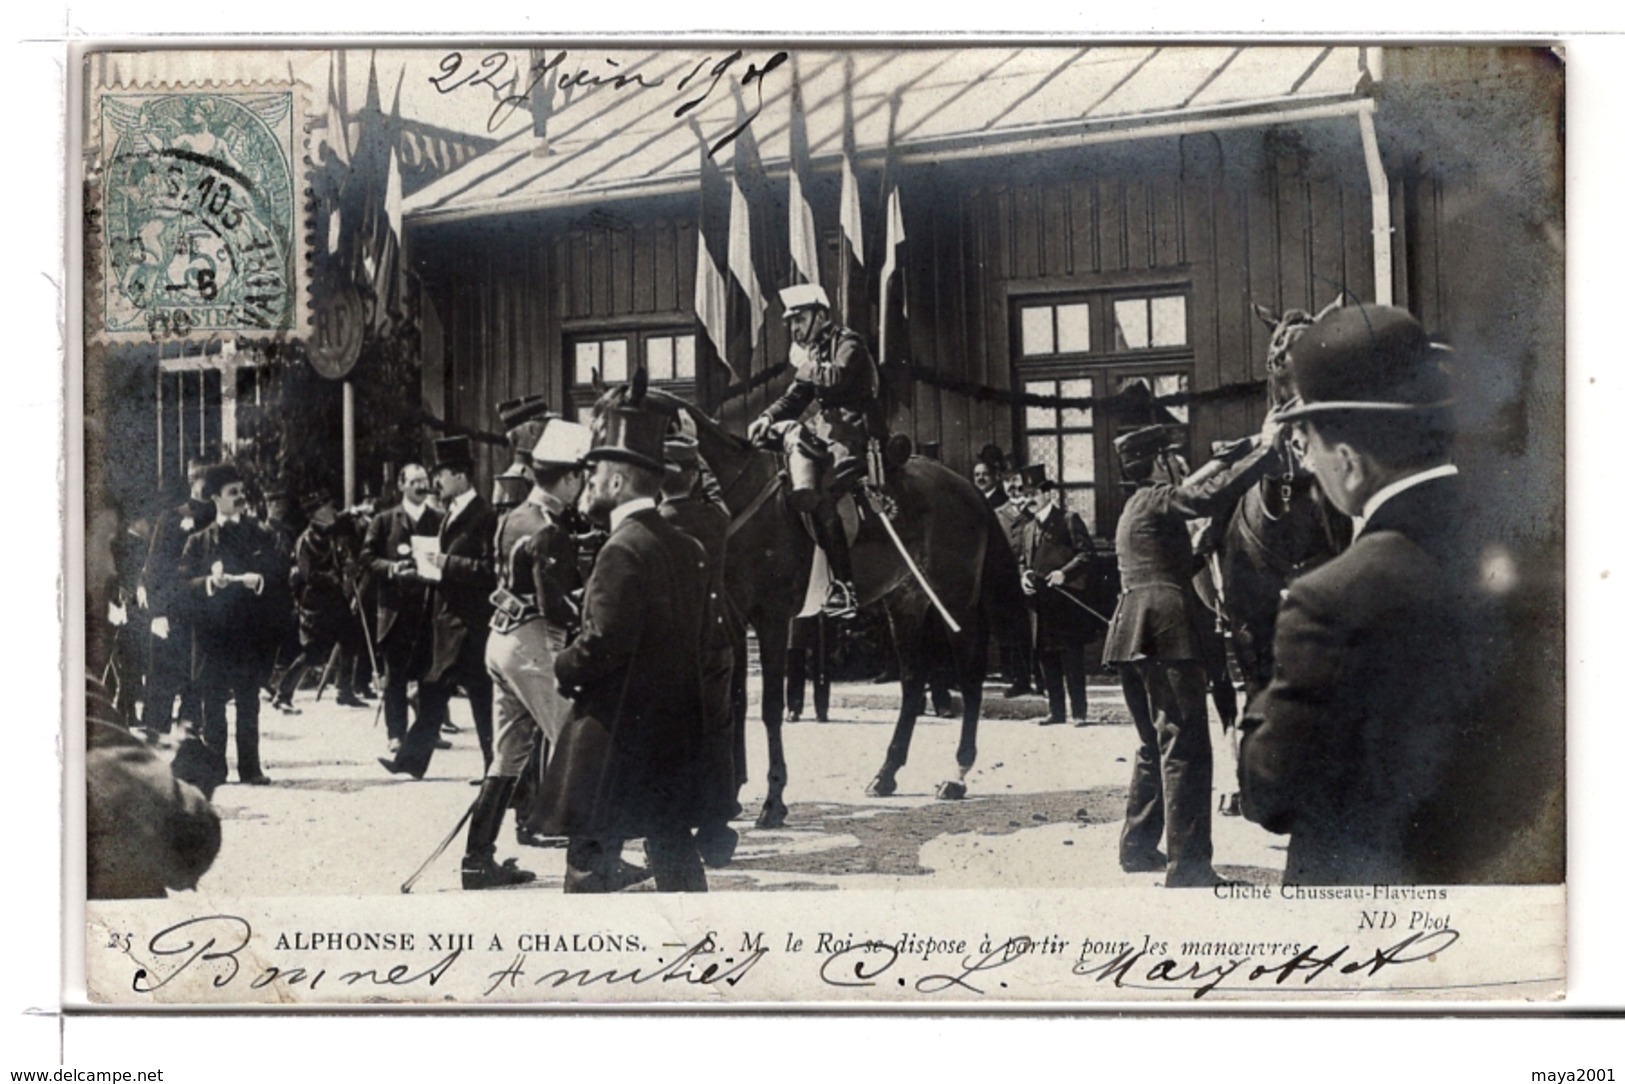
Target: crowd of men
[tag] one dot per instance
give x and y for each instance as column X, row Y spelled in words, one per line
column 586, row 621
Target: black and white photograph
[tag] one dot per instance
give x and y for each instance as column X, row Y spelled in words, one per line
column 799, row 523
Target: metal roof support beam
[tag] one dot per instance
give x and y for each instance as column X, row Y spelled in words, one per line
column 1382, row 226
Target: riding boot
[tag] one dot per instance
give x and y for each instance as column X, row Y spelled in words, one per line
column 831, row 532
column 480, row 868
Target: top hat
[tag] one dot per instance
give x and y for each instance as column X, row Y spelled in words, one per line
column 1366, row 358
column 930, row 449
column 1143, row 443
column 630, row 436
column 456, row 453
column 1036, row 478
column 526, row 408
column 682, row 452
column 218, row 476
column 563, row 444
column 807, row 295
column 314, row 501
column 510, row 487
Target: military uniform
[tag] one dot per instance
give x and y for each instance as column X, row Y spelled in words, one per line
column 1155, row 644
column 837, row 372
column 324, row 570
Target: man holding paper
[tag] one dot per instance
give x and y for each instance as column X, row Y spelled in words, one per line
column 404, row 598
column 462, row 610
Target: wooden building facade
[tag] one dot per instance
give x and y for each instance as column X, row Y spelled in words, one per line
column 1055, row 266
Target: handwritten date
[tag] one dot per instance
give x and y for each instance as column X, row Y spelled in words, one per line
column 538, row 82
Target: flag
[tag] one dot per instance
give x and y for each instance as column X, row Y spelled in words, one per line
column 392, row 188
column 853, row 286
column 336, row 137
column 803, row 230
column 710, row 277
column 851, row 209
column 893, row 285
column 369, row 236
column 746, row 236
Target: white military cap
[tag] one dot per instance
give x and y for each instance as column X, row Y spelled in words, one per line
column 563, row 444
column 803, row 296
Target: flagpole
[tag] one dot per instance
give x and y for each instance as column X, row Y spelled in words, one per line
column 349, row 443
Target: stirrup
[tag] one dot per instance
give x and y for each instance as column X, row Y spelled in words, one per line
column 840, row 602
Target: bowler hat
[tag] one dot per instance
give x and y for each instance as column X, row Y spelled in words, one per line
column 807, row 295
column 992, row 455
column 525, row 408
column 218, row 476
column 1036, row 478
column 563, row 443
column 456, row 453
column 1143, row 443
column 630, row 436
column 1366, row 358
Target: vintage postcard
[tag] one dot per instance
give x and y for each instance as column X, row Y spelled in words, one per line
column 747, row 523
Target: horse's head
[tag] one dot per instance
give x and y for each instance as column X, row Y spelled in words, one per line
column 635, row 394
column 1284, row 331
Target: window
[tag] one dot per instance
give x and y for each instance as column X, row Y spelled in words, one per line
column 1054, row 329
column 1062, row 439
column 1097, row 345
column 667, row 353
column 669, row 357
column 1143, row 323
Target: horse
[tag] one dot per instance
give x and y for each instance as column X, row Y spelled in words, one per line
column 948, row 530
column 1281, row 528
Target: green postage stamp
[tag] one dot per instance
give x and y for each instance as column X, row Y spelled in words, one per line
column 196, row 226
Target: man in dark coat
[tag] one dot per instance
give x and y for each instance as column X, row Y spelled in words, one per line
column 462, row 611
column 404, row 633
column 1382, row 656
column 162, row 593
column 1014, row 513
column 685, row 505
column 1057, row 556
column 324, row 578
column 988, row 475
column 1154, row 642
column 225, row 566
column 639, row 754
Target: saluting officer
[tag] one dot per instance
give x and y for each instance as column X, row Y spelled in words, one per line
column 1154, row 643
column 536, row 613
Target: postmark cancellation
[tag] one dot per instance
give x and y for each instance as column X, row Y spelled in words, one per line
column 196, row 211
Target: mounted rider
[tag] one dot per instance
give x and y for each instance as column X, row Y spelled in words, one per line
column 833, row 367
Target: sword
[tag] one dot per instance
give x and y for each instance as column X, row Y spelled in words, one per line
column 891, row 532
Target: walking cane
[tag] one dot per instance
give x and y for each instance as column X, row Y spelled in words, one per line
column 406, row 885
column 1070, row 597
column 366, row 634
